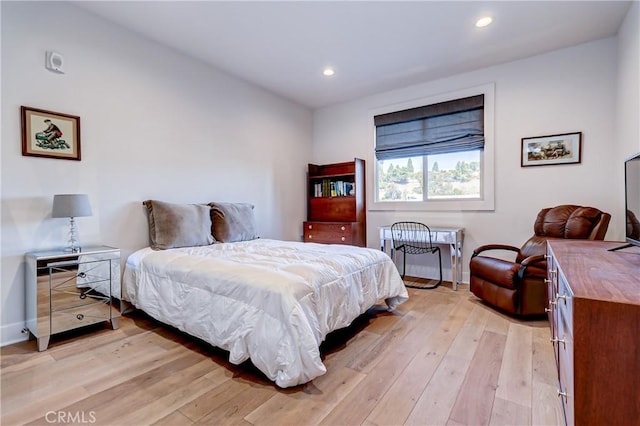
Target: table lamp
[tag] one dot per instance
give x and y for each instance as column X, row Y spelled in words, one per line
column 71, row 206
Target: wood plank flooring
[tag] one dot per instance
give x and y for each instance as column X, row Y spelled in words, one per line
column 444, row 358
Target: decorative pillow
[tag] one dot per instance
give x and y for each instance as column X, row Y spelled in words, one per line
column 178, row 225
column 233, row 222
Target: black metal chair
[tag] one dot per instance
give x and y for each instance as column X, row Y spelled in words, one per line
column 414, row 238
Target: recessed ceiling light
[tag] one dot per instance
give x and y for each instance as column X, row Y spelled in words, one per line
column 483, row 22
column 328, row 72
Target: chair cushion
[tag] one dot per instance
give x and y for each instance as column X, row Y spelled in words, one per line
column 567, row 221
column 500, row 297
column 500, row 272
column 534, row 246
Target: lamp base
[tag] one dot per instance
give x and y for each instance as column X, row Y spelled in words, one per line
column 73, row 241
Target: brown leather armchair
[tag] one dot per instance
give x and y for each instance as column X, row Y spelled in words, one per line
column 518, row 286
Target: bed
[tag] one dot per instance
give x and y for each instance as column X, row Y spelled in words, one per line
column 270, row 301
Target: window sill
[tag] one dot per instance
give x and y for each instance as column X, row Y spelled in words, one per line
column 486, row 204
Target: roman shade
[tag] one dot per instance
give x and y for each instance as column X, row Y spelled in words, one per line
column 441, row 128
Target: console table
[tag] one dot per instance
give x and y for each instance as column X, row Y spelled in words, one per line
column 439, row 235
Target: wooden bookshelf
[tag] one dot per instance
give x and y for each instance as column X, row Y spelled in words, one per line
column 336, row 204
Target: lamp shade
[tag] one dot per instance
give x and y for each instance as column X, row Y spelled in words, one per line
column 71, row 205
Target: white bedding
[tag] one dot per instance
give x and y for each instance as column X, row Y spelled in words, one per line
column 95, row 274
column 268, row 300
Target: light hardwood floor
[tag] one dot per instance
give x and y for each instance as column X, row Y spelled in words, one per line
column 442, row 358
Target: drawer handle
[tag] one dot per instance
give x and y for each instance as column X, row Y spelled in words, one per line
column 342, row 238
column 310, row 236
column 562, row 394
column 564, row 342
column 546, row 281
column 547, row 310
column 547, row 256
column 564, row 296
column 80, row 317
column 310, row 226
column 553, row 302
column 342, row 228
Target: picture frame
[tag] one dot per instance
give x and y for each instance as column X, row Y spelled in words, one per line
column 50, row 134
column 564, row 148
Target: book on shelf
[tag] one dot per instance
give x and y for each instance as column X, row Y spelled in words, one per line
column 348, row 188
column 333, row 188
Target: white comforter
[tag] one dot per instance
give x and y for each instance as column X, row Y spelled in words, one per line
column 271, row 301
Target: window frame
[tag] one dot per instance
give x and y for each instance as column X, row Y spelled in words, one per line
column 487, row 198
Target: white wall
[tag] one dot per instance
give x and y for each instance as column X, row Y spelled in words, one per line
column 154, row 124
column 628, row 90
column 568, row 90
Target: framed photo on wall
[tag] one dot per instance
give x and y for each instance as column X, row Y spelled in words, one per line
column 565, row 148
column 50, row 134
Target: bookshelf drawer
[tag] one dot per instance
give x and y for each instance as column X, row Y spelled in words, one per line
column 328, row 232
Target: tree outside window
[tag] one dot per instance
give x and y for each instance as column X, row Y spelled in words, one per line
column 446, row 176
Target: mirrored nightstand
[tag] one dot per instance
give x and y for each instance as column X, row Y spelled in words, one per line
column 71, row 290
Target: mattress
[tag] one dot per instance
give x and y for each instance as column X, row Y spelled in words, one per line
column 268, row 300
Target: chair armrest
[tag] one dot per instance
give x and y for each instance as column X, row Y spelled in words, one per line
column 538, row 261
column 533, row 260
column 494, row 247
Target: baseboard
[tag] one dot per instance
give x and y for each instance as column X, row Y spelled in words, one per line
column 13, row 333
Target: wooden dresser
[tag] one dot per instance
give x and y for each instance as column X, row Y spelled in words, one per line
column 594, row 313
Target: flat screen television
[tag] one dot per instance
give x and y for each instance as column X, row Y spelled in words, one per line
column 632, row 199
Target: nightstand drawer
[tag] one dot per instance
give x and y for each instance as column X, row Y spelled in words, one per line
column 328, row 232
column 75, row 287
column 74, row 297
column 68, row 319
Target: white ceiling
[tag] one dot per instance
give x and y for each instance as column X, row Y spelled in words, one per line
column 374, row 46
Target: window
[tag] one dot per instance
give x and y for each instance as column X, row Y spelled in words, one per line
column 436, row 156
column 445, row 176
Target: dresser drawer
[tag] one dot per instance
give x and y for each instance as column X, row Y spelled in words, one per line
column 74, row 297
column 566, row 391
column 328, row 232
column 64, row 288
column 68, row 319
column 552, row 290
column 564, row 305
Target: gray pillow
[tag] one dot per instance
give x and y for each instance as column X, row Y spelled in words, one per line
column 233, row 222
column 178, row 225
